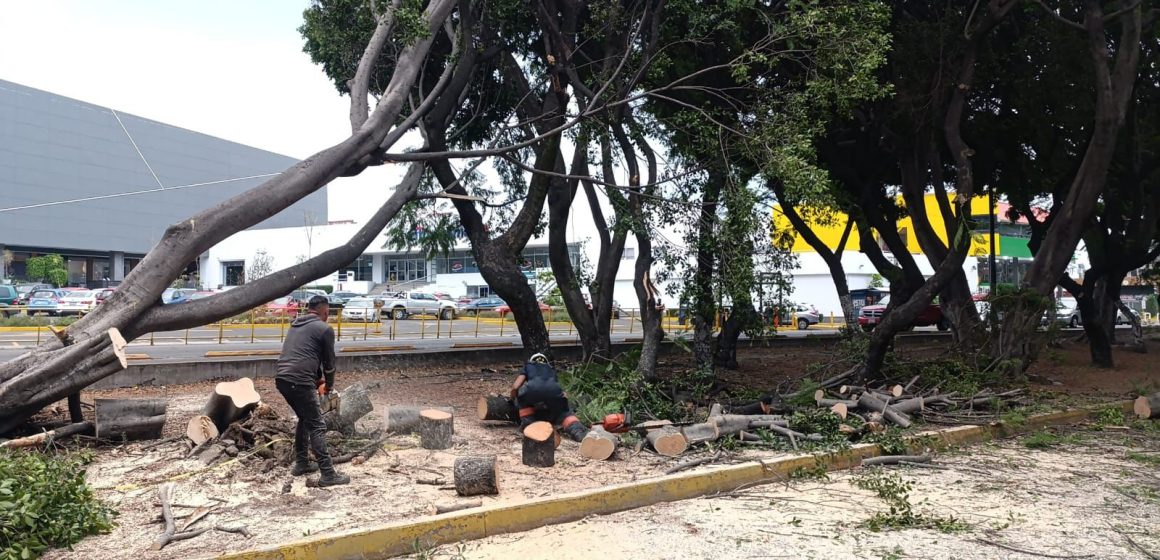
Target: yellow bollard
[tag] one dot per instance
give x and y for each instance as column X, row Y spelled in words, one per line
column 423, row 327
column 551, row 314
column 187, row 337
column 282, row 329
column 366, row 326
column 394, row 323
column 438, row 325
column 339, row 335
column 38, row 328
column 221, row 330
column 502, row 322
column 150, row 339
column 476, row 323
column 251, row 328
column 832, row 323
column 450, row 325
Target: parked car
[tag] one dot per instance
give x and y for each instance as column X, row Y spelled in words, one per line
column 804, row 316
column 26, row 290
column 101, row 294
column 1067, row 314
column 284, row 305
column 504, row 309
column 9, row 294
column 6, row 311
column 76, row 303
column 419, row 303
column 45, row 301
column 360, row 310
column 176, row 295
column 336, row 303
column 305, row 295
column 464, row 300
column 348, row 295
column 483, row 304
column 872, row 315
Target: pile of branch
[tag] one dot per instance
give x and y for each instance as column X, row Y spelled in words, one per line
column 899, row 404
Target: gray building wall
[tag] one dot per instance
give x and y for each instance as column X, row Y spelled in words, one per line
column 53, row 148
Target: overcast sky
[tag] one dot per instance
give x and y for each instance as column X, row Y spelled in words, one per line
column 228, row 68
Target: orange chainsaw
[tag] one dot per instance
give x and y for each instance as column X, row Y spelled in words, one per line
column 328, row 401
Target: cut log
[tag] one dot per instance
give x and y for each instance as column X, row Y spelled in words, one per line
column 402, row 419
column 870, row 402
column 667, row 441
column 230, row 401
column 841, row 409
column 497, row 407
column 354, row 403
column 819, row 395
column 756, row 407
column 599, row 444
column 1147, row 407
column 731, row 424
column 539, row 449
column 129, row 419
column 701, row 433
column 201, row 429
column 448, row 508
column 716, row 410
column 897, row 391
column 894, row 460
column 476, row 476
column 46, row 438
column 827, row 403
column 435, row 429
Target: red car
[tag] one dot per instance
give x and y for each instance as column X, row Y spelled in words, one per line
column 504, row 309
column 871, row 315
column 287, row 306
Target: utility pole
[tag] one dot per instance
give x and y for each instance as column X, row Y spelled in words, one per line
column 991, row 253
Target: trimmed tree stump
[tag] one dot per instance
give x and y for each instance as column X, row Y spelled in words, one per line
column 599, row 445
column 129, row 419
column 402, row 419
column 201, row 429
column 230, row 401
column 701, row 433
column 667, row 441
column 354, row 403
column 435, row 429
column 497, row 407
column 476, row 476
column 539, row 445
column 1147, row 407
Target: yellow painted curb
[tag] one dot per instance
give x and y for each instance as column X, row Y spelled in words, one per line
column 376, row 348
column 236, row 353
column 22, row 329
column 401, row 537
column 481, row 344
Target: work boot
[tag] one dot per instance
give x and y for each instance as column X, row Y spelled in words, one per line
column 575, row 431
column 333, row 478
column 303, row 467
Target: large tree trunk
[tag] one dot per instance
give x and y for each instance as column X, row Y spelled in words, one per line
column 61, row 368
column 702, row 306
column 1114, row 88
column 560, row 197
column 646, row 292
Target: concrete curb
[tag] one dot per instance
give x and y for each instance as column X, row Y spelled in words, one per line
column 401, row 537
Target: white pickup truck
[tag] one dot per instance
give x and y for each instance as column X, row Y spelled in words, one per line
column 417, row 303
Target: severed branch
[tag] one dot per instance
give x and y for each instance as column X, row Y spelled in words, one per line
column 1030, row 552
column 165, row 492
column 895, row 460
column 236, row 529
column 46, row 438
column 684, row 466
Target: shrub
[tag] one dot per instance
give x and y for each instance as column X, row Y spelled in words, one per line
column 45, row 503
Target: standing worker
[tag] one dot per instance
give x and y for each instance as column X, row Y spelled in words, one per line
column 538, row 396
column 305, row 370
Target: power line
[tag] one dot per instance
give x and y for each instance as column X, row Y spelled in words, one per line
column 133, row 193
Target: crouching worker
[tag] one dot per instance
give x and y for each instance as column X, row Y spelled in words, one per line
column 538, row 396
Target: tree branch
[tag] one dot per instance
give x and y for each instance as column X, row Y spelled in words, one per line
column 360, row 85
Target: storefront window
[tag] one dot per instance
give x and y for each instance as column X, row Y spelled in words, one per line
column 234, row 273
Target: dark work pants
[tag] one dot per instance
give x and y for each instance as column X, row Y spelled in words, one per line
column 311, row 431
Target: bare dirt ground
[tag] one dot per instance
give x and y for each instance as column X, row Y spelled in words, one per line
column 1081, row 500
column 384, row 488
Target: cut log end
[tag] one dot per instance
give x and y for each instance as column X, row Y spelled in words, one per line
column 476, row 476
column 841, row 410
column 598, row 445
column 667, row 441
column 1147, row 407
column 496, row 407
column 539, row 445
column 201, row 429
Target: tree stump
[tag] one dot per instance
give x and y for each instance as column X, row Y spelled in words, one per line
column 701, row 433
column 475, row 476
column 667, row 441
column 539, row 445
column 435, row 429
column 129, row 419
column 599, row 445
column 354, row 403
column 1148, row 407
column 497, row 407
column 230, row 401
column 201, row 429
column 402, row 419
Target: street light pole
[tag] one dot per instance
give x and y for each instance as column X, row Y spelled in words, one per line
column 991, row 253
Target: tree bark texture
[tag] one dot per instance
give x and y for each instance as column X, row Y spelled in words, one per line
column 497, row 407
column 354, row 403
column 129, row 419
column 435, row 429
column 476, row 476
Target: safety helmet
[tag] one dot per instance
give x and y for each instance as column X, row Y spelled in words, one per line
column 539, row 358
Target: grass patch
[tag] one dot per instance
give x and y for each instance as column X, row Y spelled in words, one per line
column 1045, row 439
column 26, row 321
column 1151, row 459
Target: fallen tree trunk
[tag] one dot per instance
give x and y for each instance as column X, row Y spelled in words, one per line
column 435, row 429
column 475, row 476
column 894, row 460
column 48, row 437
column 230, row 401
column 701, row 433
column 1147, row 407
column 129, row 419
column 539, row 445
column 599, row 444
column 402, row 419
column 354, row 403
column 497, row 407
column 870, row 402
column 667, row 441
column 731, row 424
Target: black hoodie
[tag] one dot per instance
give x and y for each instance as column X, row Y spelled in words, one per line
column 308, row 352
